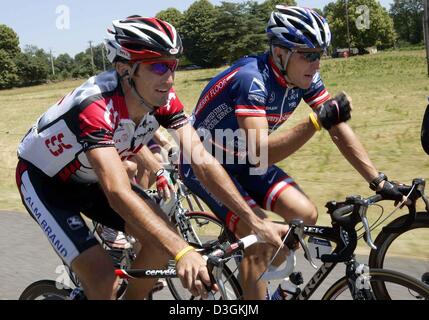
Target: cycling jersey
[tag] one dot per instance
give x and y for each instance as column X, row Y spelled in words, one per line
column 253, row 86
column 93, row 115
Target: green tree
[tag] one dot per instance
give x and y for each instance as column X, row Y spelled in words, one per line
column 32, row 69
column 9, row 50
column 8, row 74
column 9, row 41
column 172, row 16
column 197, row 33
column 265, row 8
column 369, row 23
column 407, row 18
column 40, row 57
column 238, row 32
column 98, row 52
column 83, row 65
column 64, row 64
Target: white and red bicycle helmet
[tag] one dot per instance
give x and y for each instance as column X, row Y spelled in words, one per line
column 138, row 38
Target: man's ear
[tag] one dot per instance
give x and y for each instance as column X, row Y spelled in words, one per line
column 123, row 69
column 277, row 51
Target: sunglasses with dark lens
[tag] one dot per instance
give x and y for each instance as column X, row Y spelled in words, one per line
column 311, row 56
column 161, row 67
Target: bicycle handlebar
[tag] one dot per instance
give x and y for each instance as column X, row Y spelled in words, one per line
column 349, row 213
column 341, row 216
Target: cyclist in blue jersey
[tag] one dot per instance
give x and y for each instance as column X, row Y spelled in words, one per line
column 70, row 162
column 253, row 98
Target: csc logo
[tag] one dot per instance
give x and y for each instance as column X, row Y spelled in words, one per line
column 56, row 145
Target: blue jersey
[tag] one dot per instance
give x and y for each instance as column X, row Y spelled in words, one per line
column 252, row 86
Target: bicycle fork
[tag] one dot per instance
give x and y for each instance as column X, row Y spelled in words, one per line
column 359, row 281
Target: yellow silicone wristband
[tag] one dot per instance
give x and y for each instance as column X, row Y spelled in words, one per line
column 182, row 252
column 314, row 121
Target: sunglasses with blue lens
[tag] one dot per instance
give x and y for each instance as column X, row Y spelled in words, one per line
column 161, row 67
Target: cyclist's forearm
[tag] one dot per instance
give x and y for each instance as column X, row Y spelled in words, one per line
column 352, row 149
column 147, row 160
column 281, row 145
column 161, row 140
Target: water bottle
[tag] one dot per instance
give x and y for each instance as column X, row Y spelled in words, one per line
column 285, row 291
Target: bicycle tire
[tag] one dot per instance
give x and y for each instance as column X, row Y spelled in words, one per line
column 233, row 287
column 378, row 257
column 202, row 232
column 222, row 234
column 47, row 289
column 412, row 288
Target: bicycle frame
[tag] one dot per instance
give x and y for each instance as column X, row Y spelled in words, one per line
column 325, row 269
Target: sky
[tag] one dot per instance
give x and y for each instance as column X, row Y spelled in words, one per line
column 67, row 26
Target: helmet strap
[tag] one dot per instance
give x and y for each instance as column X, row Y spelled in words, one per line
column 132, row 84
column 279, row 65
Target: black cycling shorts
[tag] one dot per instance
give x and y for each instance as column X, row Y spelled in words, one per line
column 57, row 208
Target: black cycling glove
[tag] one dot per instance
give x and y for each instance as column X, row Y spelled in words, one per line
column 390, row 191
column 334, row 111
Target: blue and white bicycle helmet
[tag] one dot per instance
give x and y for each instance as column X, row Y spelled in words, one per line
column 297, row 27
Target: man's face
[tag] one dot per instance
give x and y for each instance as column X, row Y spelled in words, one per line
column 154, row 79
column 301, row 69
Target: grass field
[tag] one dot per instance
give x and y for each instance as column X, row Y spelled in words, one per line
column 388, row 89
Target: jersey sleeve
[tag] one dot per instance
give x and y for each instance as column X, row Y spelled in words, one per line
column 96, row 125
column 317, row 93
column 249, row 95
column 172, row 115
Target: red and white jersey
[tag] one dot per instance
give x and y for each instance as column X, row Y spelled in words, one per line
column 92, row 116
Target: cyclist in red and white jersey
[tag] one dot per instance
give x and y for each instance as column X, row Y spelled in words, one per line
column 70, row 163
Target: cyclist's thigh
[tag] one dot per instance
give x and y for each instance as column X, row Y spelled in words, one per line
column 217, row 207
column 55, row 208
column 276, row 191
column 97, row 208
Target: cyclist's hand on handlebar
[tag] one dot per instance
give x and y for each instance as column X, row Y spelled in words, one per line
column 193, row 273
column 335, row 111
column 389, row 190
column 272, row 233
column 164, row 185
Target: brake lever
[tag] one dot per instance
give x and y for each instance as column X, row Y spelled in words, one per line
column 362, row 213
column 299, row 232
column 421, row 189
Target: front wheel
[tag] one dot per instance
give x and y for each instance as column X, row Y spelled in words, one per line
column 202, row 227
column 405, row 251
column 400, row 287
column 46, row 290
column 205, row 226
